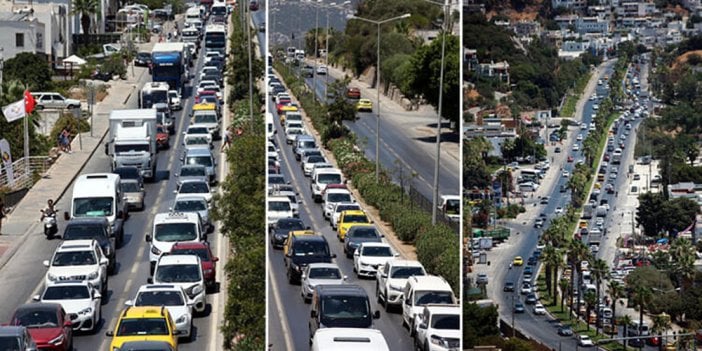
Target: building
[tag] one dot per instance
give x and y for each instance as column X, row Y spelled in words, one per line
column 22, row 32
column 688, row 190
column 636, row 9
column 527, row 28
column 499, row 70
column 584, row 25
column 569, row 4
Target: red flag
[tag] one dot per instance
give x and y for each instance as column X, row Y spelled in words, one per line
column 28, row 102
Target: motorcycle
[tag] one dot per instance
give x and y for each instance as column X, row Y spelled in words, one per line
column 50, row 223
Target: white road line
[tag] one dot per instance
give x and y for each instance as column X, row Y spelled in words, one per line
column 281, row 313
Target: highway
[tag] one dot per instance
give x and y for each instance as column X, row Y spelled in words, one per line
column 23, row 276
column 288, row 315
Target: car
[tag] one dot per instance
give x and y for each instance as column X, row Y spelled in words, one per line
column 97, row 228
column 557, row 150
column 17, row 337
column 308, row 164
column 318, row 274
column 518, row 261
column 163, row 137
column 369, row 256
column 173, row 298
column 364, row 105
column 570, row 158
column 544, row 200
column 576, row 147
column 307, row 71
column 538, row 223
column 292, row 133
column 133, row 193
column 129, row 172
column 322, row 70
column 195, row 187
column 391, row 279
column 565, row 330
column 565, row 174
column 359, row 234
column 532, row 261
column 195, row 204
column 585, row 341
column 539, row 309
column 353, row 93
column 302, row 250
column 80, row 300
column 349, row 218
column 207, row 259
column 531, row 299
column 519, row 308
column 279, row 231
column 144, row 323
column 438, row 328
column 332, row 195
column 47, row 324
column 526, row 288
column 78, row 260
column 54, row 100
column 142, row 59
column 482, row 278
column 558, row 210
column 184, row 271
column 509, row 287
column 579, row 137
column 528, row 272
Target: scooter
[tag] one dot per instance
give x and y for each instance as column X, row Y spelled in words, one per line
column 50, row 224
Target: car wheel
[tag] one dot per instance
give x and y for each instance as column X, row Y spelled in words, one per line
column 103, row 291
column 412, row 330
column 290, row 278
column 96, row 323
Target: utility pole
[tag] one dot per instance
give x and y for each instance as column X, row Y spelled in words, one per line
column 248, row 36
column 316, row 50
column 437, row 162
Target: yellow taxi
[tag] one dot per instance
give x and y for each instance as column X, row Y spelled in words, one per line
column 349, row 218
column 518, row 261
column 286, row 245
column 144, row 323
column 207, row 106
column 598, row 185
column 582, row 224
column 364, row 105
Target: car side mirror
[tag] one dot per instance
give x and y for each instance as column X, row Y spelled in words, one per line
column 104, row 261
column 303, row 276
column 36, row 298
column 406, row 301
column 382, row 235
column 384, row 275
column 129, row 303
column 109, row 333
column 422, row 325
column 68, row 324
column 148, row 238
column 313, row 314
column 175, row 191
column 46, row 263
column 355, row 253
column 66, row 216
column 345, row 278
column 150, row 280
column 376, row 315
column 333, row 255
column 120, row 214
column 215, row 259
column 397, row 254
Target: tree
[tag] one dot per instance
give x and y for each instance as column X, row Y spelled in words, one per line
column 625, row 320
column 661, row 324
column 563, row 284
column 86, row 9
column 648, row 213
column 642, row 297
column 577, row 252
column 30, row 70
column 682, row 253
column 616, row 291
column 600, row 271
column 478, row 323
column 590, row 302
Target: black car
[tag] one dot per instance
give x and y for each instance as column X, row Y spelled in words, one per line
column 129, row 172
column 99, row 74
column 531, row 261
column 565, row 330
column 531, row 299
column 519, row 308
column 277, row 89
column 97, row 228
column 360, row 234
column 638, row 343
column 509, row 286
column 280, row 230
column 142, row 59
column 215, row 77
column 303, row 250
column 340, row 306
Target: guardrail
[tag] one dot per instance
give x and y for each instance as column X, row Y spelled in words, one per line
column 26, row 172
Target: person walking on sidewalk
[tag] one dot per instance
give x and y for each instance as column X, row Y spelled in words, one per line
column 2, row 213
column 227, row 139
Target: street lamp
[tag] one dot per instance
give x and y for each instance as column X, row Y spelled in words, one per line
column 437, row 162
column 326, row 55
column 316, row 49
column 377, row 123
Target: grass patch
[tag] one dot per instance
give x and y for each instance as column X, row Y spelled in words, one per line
column 572, row 99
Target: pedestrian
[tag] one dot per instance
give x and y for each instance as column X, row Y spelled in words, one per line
column 66, row 138
column 227, row 139
column 2, row 213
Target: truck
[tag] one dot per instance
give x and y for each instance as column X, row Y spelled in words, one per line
column 153, row 93
column 451, row 207
column 617, row 156
column 169, row 64
column 497, row 235
column 132, row 140
column 587, row 212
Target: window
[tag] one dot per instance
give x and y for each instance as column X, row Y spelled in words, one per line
column 19, row 40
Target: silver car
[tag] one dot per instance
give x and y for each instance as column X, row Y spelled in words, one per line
column 195, row 203
column 133, row 193
column 202, row 156
column 197, row 172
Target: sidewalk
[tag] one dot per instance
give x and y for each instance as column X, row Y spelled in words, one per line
column 399, row 115
column 24, row 218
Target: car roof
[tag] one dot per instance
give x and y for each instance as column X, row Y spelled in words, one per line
column 353, row 212
column 144, row 312
column 443, row 308
column 340, row 289
column 39, row 306
column 160, row 287
column 178, row 260
column 199, row 151
column 76, row 245
column 190, row 245
column 190, row 197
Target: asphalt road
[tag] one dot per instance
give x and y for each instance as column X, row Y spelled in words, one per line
column 288, row 315
column 289, row 20
column 25, row 271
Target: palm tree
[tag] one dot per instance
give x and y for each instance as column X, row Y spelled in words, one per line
column 563, row 283
column 600, row 271
column 682, row 254
column 615, row 291
column 625, row 321
column 590, row 302
column 661, row 323
column 550, row 257
column 642, row 297
column 86, row 9
column 577, row 252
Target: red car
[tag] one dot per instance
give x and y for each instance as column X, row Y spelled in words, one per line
column 47, row 324
column 570, row 158
column 353, row 93
column 202, row 250
column 284, row 101
column 205, row 93
column 162, row 137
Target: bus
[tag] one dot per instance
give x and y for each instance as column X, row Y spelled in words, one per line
column 533, row 175
column 218, row 13
column 170, row 64
column 215, row 38
column 153, row 93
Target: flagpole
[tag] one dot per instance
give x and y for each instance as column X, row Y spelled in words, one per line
column 26, row 136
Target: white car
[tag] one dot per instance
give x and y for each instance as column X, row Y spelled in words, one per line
column 80, row 260
column 206, row 83
column 195, row 187
column 539, row 309
column 196, row 133
column 579, row 137
column 333, row 196
column 292, row 133
column 565, row 174
column 309, row 162
column 584, row 340
column 369, row 256
column 80, row 299
column 576, row 147
column 322, row 70
column 174, row 100
column 559, row 210
column 526, row 288
column 438, row 328
column 173, row 298
column 340, row 207
column 316, row 274
column 392, row 278
column 184, row 271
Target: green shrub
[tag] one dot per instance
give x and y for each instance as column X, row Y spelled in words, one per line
column 74, row 125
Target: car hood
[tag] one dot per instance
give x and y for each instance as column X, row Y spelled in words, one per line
column 178, row 311
column 182, row 179
column 72, row 306
column 398, row 282
column 44, row 335
column 72, row 270
column 447, row 333
column 318, row 282
column 374, row 260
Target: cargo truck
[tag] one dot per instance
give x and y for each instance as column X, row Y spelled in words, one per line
column 132, row 140
column 170, row 64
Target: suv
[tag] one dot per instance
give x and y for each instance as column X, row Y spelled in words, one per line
column 81, row 301
column 369, row 256
column 54, row 100
column 184, row 271
column 345, row 305
column 147, row 323
column 175, row 301
column 78, row 260
column 207, row 259
column 438, row 328
column 322, row 178
column 129, row 172
column 195, row 204
column 171, row 228
column 202, row 156
column 17, row 336
column 392, row 277
column 420, row 291
column 332, row 196
column 279, row 207
column 97, row 228
column 303, row 250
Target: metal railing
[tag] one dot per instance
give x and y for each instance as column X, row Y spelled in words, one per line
column 426, row 204
column 24, row 177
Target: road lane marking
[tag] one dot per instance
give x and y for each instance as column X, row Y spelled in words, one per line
column 278, row 304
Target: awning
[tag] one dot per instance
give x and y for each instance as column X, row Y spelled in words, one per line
column 75, row 60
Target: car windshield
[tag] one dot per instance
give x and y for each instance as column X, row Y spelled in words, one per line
column 130, row 187
column 171, row 232
column 291, row 225
column 202, row 253
column 405, row 272
column 363, row 232
column 142, row 326
column 36, row 318
column 200, row 160
column 453, row 206
column 205, row 118
column 190, row 205
column 178, row 273
column 194, row 188
column 75, row 292
column 329, row 179
column 10, row 343
column 347, row 208
column 82, row 231
column 377, row 251
column 276, row 180
column 445, row 321
column 422, row 298
column 74, row 258
column 310, row 248
column 324, row 273
column 307, row 144
column 119, row 148
column 355, row 219
column 159, row 298
column 196, row 141
column 193, row 171
column 92, row 207
column 279, row 206
column 335, row 309
column 339, row 197
column 198, row 130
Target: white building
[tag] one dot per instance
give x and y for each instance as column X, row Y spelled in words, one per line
column 570, row 4
column 22, row 32
column 591, row 25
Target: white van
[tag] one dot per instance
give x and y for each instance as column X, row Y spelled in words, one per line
column 639, row 329
column 528, row 187
column 420, row 291
column 322, row 178
column 270, row 127
column 99, row 195
column 171, row 228
column 348, row 339
column 192, row 15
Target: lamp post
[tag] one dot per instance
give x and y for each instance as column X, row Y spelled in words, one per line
column 316, row 50
column 377, row 123
column 326, row 55
column 248, row 44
